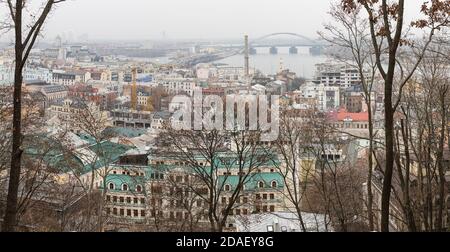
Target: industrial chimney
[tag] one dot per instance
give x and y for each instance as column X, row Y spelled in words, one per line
column 247, row 58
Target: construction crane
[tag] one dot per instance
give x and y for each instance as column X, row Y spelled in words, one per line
column 134, row 95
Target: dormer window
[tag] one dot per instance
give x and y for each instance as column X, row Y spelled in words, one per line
column 111, row 186
column 261, row 184
column 274, row 184
column 124, row 187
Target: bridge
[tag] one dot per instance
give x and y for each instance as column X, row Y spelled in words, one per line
column 300, row 41
column 316, row 47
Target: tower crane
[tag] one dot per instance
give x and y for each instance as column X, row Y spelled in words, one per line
column 134, row 96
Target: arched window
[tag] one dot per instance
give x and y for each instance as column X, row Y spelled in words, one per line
column 227, row 188
column 124, row 187
column 138, row 188
column 274, row 184
column 261, row 184
column 111, row 186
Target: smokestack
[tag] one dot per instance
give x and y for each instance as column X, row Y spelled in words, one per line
column 247, row 58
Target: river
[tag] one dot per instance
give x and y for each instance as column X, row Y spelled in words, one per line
column 303, row 63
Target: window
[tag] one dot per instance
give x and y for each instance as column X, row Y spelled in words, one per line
column 114, row 211
column 264, row 196
column 143, row 213
column 124, row 187
column 258, row 196
column 261, row 184
column 128, row 200
column 121, row 199
column 245, row 212
column 114, row 198
column 245, row 200
column 142, row 201
column 227, row 188
column 272, row 209
column 135, row 200
column 138, row 188
column 224, row 200
column 238, row 211
column 108, row 198
column 129, row 212
column 265, row 209
column 135, row 213
column 272, row 196
column 111, row 186
column 108, row 211
column 274, row 184
column 122, row 212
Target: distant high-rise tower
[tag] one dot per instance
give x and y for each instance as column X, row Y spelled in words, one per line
column 247, row 58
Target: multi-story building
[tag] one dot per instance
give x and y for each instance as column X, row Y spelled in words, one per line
column 131, row 119
column 54, row 92
column 69, row 111
column 346, row 121
column 38, row 73
column 160, row 185
column 327, row 97
column 70, row 78
column 178, row 85
column 337, row 74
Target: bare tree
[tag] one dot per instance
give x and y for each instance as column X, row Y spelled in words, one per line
column 350, row 35
column 208, row 155
column 387, row 31
column 25, row 38
column 420, row 144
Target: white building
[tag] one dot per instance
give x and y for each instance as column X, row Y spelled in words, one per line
column 39, row 73
column 6, row 75
column 337, row 74
column 327, row 96
column 178, row 85
column 229, row 73
column 70, row 78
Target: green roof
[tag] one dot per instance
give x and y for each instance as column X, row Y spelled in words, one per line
column 252, row 182
column 107, row 152
column 131, row 181
column 125, row 132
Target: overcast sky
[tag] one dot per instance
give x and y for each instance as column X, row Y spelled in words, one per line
column 181, row 19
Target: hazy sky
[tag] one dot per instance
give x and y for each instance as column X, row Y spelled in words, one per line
column 149, row 19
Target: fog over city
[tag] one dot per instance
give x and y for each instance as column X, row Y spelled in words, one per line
column 181, row 19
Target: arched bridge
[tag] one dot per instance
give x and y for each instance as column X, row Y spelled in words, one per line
column 306, row 41
column 316, row 46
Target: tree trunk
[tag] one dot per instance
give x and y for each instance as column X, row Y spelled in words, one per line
column 389, row 166
column 10, row 219
column 370, row 174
